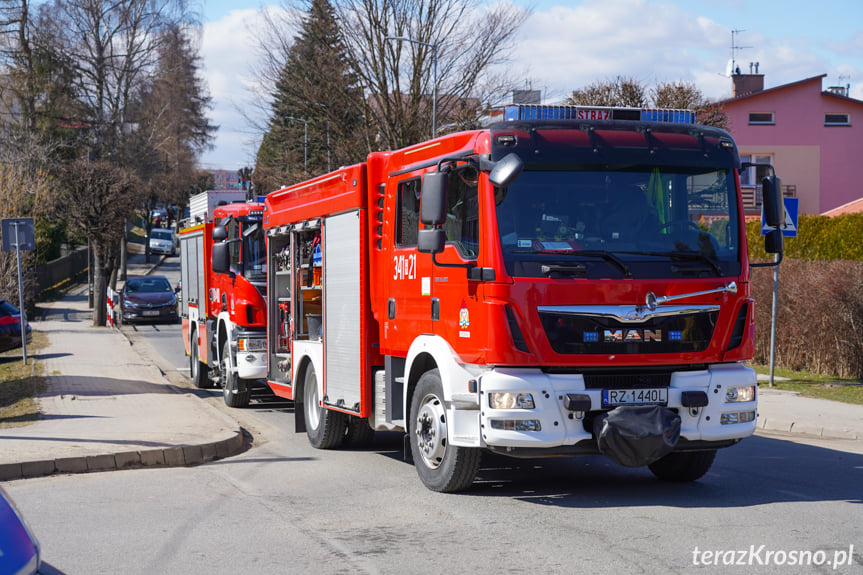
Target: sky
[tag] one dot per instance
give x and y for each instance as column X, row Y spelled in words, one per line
column 564, row 46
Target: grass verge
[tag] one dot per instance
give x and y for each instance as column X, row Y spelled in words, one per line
column 814, row 385
column 20, row 384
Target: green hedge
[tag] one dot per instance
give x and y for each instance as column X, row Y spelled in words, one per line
column 819, row 238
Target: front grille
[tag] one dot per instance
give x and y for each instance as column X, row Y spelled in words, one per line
column 578, row 334
column 626, row 380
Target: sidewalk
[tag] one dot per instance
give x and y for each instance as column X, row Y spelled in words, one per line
column 789, row 412
column 104, row 407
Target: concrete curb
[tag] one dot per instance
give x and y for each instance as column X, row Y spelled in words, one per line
column 808, row 429
column 177, row 456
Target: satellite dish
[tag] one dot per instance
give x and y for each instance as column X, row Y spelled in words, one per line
column 729, row 68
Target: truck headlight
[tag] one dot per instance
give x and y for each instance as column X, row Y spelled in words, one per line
column 740, row 394
column 508, row 400
column 251, row 344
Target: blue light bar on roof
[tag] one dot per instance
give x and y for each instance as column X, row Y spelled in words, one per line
column 529, row 112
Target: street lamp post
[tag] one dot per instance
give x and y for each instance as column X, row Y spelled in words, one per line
column 305, row 141
column 434, row 86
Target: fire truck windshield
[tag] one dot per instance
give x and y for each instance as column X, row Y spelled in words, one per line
column 255, row 256
column 628, row 221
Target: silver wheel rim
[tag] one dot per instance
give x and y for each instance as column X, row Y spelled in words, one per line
column 431, row 431
column 226, row 375
column 313, row 416
column 194, row 367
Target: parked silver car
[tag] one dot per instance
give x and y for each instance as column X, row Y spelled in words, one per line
column 163, row 241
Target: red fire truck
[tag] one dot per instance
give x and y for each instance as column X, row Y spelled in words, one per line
column 223, row 275
column 551, row 285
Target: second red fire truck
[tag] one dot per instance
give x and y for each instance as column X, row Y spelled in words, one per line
column 223, row 275
column 549, row 286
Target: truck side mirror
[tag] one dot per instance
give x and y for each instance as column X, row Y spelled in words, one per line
column 774, row 242
column 774, row 206
column 430, row 240
column 433, row 204
column 220, row 233
column 506, row 170
column 221, row 258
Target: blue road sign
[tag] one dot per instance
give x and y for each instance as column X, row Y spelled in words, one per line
column 789, row 229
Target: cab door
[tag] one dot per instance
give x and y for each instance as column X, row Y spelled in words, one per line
column 409, row 281
column 459, row 320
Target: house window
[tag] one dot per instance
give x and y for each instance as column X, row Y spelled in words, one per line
column 837, row 119
column 761, row 118
column 750, row 179
column 409, row 213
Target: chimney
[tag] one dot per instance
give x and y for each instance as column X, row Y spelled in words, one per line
column 746, row 84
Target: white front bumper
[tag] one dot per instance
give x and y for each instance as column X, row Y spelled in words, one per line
column 560, row 427
column 252, row 364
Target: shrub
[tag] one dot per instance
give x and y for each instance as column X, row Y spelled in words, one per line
column 818, row 238
column 819, row 320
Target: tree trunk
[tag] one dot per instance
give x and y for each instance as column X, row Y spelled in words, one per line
column 100, row 312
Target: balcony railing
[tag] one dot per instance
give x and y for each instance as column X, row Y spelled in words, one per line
column 752, row 198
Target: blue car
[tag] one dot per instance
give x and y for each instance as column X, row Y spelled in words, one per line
column 10, row 326
column 19, row 549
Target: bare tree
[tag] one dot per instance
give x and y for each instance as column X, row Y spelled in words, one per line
column 629, row 92
column 685, row 95
column 621, row 91
column 25, row 191
column 112, row 47
column 467, row 39
column 97, row 198
column 463, row 38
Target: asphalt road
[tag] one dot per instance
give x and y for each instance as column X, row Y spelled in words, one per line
column 768, row 505
column 284, row 507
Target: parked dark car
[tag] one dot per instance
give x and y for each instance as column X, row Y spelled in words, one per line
column 19, row 549
column 148, row 298
column 10, row 326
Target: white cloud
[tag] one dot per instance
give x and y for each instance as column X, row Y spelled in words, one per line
column 561, row 49
column 568, row 48
column 228, row 52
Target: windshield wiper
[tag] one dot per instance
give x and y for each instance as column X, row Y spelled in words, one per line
column 607, row 256
column 558, row 270
column 690, row 256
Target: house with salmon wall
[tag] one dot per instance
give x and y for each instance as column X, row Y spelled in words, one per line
column 811, row 136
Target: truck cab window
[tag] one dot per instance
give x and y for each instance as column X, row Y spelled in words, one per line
column 462, row 220
column 234, row 247
column 407, row 225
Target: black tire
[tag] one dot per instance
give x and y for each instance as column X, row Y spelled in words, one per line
column 325, row 427
column 441, row 467
column 358, row 433
column 684, row 466
column 197, row 370
column 236, row 391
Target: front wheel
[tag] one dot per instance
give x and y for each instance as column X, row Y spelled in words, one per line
column 683, row 466
column 325, row 427
column 197, row 370
column 441, row 466
column 235, row 390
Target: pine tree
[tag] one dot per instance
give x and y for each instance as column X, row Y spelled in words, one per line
column 316, row 118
